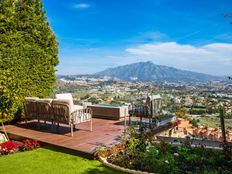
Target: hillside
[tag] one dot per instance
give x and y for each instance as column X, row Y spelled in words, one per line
column 148, row 71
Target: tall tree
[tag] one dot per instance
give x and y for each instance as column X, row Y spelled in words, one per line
column 28, row 49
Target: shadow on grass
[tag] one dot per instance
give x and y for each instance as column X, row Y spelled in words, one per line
column 70, row 151
column 102, row 170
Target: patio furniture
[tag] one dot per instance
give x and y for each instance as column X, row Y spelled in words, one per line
column 68, row 96
column 64, row 113
column 30, row 108
column 44, row 110
column 57, row 111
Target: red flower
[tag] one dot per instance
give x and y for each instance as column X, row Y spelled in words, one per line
column 9, row 146
column 29, row 144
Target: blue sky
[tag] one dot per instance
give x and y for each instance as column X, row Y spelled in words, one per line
column 98, row 34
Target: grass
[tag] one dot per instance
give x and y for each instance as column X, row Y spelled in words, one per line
column 214, row 122
column 46, row 161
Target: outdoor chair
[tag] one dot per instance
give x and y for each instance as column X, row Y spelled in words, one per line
column 30, row 108
column 60, row 110
column 64, row 112
column 44, row 110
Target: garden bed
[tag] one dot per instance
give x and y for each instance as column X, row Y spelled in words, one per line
column 119, row 168
column 137, row 152
column 11, row 147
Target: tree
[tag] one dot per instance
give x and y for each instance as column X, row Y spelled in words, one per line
column 9, row 94
column 181, row 112
column 28, row 50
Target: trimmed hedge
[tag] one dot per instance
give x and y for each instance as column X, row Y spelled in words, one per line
column 28, row 54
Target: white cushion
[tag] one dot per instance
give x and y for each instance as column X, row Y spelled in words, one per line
column 63, row 101
column 49, row 100
column 31, row 98
column 66, row 96
column 77, row 107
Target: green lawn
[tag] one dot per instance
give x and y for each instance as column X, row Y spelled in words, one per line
column 43, row 161
column 214, row 122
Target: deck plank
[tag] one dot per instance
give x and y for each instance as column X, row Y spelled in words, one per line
column 104, row 132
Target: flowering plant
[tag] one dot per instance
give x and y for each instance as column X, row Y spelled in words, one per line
column 28, row 145
column 8, row 147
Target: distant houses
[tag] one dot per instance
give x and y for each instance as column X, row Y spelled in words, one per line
column 211, row 133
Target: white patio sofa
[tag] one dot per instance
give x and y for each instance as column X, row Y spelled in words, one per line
column 59, row 110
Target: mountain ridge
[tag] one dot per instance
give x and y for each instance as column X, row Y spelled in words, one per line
column 148, row 71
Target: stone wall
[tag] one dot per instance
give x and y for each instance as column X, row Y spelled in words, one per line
column 194, row 141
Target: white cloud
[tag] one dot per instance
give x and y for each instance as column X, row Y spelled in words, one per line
column 81, row 6
column 215, row 58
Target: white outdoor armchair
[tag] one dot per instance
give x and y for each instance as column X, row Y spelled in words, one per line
column 64, row 113
column 59, row 110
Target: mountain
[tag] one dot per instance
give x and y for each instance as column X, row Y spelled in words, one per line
column 148, row 71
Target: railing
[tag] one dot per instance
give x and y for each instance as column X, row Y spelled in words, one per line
column 140, row 112
column 145, row 112
column 165, row 121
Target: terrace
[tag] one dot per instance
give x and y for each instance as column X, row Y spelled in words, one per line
column 58, row 135
column 83, row 142
column 115, row 152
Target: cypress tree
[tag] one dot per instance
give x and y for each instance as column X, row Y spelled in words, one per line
column 28, row 51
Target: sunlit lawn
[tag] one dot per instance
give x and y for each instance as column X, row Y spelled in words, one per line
column 43, row 161
column 214, row 121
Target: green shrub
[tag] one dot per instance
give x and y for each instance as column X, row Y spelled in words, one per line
column 9, row 95
column 29, row 49
column 140, row 153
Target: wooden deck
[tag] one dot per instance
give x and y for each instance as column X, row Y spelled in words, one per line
column 83, row 142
